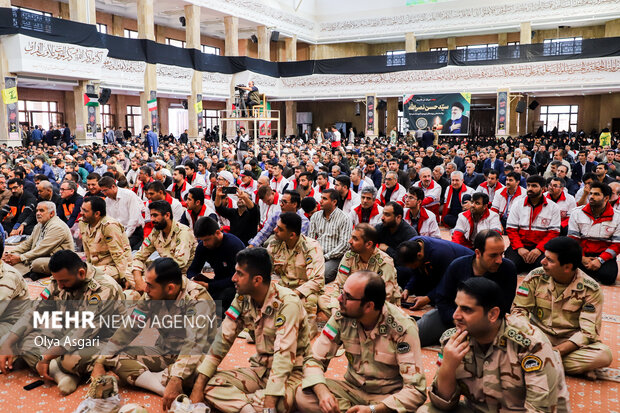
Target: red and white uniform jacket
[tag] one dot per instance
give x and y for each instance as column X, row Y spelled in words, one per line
column 292, row 183
column 250, row 189
column 267, row 211
column 427, row 223
column 500, row 202
column 597, row 236
column 375, row 214
column 464, row 230
column 566, row 202
column 185, row 187
column 398, row 195
column 279, row 185
column 351, row 202
column 140, row 190
column 432, row 195
column 491, row 192
column 317, row 191
column 462, row 191
column 532, row 227
column 191, row 218
column 196, row 181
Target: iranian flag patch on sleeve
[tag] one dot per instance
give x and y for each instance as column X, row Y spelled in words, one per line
column 330, row 332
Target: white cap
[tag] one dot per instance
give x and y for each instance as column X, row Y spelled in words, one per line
column 228, row 176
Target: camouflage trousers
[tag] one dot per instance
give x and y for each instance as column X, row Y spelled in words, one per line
column 460, row 408
column 79, row 362
column 347, row 395
column 39, row 265
column 587, row 358
column 591, row 357
column 132, row 362
column 311, row 306
column 230, row 390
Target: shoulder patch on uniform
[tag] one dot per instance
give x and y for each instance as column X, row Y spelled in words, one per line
column 589, row 308
column 338, row 315
column 403, row 348
column 593, row 285
column 190, row 312
column 383, row 329
column 232, row 313
column 93, row 285
column 308, row 260
column 329, row 331
column 343, row 269
column 447, row 334
column 523, row 291
column 45, row 294
column 531, row 363
column 94, row 299
column 349, row 254
column 280, row 320
column 269, row 310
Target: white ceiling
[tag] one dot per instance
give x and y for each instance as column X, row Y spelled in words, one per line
column 320, row 13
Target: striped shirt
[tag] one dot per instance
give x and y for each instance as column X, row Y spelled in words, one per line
column 333, row 234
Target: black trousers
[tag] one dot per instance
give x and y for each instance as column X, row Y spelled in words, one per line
column 607, row 274
column 136, row 239
column 450, row 220
column 518, row 261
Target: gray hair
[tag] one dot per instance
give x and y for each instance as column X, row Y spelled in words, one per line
column 457, row 174
column 49, row 205
column 425, row 169
column 72, row 185
column 46, row 185
column 392, row 173
column 441, row 169
column 452, row 164
column 369, row 189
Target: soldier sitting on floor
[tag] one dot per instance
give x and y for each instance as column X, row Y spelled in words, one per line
column 567, row 305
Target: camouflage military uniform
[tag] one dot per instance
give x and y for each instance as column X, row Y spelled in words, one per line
column 106, row 246
column 519, row 372
column 385, row 364
column 178, row 350
column 99, row 294
column 13, row 290
column 180, row 246
column 301, row 269
column 379, row 262
column 574, row 314
column 282, row 343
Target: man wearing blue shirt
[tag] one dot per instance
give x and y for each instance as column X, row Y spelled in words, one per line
column 424, row 261
column 488, row 262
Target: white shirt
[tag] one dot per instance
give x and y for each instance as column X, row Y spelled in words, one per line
column 127, row 209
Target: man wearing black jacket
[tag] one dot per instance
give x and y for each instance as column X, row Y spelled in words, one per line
column 393, row 230
column 220, row 250
column 15, row 214
column 244, row 219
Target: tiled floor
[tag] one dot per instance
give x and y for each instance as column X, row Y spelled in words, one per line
column 599, row 396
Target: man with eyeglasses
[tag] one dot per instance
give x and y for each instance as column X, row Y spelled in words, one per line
column 391, row 190
column 71, row 202
column 290, row 201
column 16, row 213
column 384, row 371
